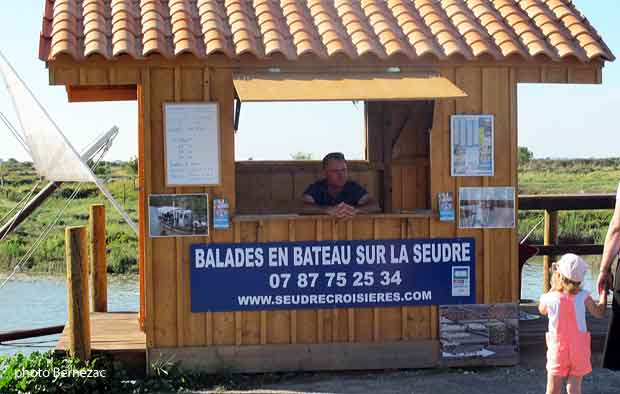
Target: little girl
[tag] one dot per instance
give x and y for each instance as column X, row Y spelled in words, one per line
column 568, row 339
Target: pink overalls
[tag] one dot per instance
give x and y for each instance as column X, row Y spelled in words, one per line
column 568, row 339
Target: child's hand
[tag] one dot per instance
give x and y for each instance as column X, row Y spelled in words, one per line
column 602, row 299
column 542, row 306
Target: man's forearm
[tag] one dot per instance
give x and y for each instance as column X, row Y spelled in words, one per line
column 371, row 207
column 612, row 244
column 313, row 209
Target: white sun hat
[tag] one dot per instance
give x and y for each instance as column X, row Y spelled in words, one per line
column 572, row 267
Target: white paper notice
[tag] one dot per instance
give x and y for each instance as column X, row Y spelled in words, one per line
column 460, row 281
column 192, row 144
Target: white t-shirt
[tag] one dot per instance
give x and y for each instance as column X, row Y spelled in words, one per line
column 618, row 193
column 552, row 301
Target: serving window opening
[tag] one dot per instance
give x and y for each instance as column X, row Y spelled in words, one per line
column 386, row 145
column 393, row 161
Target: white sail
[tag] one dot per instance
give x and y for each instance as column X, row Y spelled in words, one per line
column 54, row 158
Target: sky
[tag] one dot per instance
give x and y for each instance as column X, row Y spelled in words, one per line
column 555, row 120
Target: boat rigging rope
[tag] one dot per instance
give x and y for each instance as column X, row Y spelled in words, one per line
column 532, row 230
column 22, row 201
column 34, row 344
column 15, row 133
column 49, row 228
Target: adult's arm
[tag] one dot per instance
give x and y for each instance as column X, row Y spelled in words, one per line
column 610, row 251
column 310, row 207
column 340, row 211
column 367, row 204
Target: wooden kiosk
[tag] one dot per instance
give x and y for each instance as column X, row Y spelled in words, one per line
column 414, row 64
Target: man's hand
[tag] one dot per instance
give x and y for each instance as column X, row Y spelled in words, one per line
column 604, row 282
column 342, row 211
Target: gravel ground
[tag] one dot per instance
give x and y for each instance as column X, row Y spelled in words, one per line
column 528, row 377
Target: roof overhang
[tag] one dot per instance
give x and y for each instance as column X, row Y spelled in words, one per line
column 288, row 86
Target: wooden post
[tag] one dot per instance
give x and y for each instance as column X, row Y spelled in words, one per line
column 98, row 261
column 551, row 237
column 77, row 287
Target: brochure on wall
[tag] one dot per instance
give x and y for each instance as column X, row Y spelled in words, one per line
column 487, row 207
column 220, row 214
column 446, row 206
column 471, row 145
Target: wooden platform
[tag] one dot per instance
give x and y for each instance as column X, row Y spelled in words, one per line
column 117, row 334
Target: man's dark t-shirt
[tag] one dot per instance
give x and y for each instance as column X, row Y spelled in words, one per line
column 351, row 193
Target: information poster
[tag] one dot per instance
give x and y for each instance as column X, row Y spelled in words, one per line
column 479, row 331
column 487, row 207
column 472, row 145
column 332, row 274
column 192, row 144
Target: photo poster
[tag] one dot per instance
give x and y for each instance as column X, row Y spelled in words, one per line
column 178, row 215
column 479, row 331
column 192, row 146
column 487, row 207
column 471, row 145
column 446, row 206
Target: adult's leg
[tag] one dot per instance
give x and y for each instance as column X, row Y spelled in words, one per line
column 573, row 384
column 611, row 350
column 554, row 384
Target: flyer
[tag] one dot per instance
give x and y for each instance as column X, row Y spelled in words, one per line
column 220, row 214
column 446, row 206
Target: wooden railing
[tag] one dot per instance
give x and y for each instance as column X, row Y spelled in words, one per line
column 552, row 204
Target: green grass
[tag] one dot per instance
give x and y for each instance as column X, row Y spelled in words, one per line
column 569, row 176
column 49, row 256
column 537, row 177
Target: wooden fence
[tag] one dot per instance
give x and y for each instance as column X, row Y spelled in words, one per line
column 552, row 204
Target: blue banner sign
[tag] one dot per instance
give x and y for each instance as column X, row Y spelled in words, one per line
column 332, row 274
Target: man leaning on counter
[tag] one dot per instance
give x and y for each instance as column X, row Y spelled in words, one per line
column 335, row 194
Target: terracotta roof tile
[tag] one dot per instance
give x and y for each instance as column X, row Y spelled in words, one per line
column 471, row 29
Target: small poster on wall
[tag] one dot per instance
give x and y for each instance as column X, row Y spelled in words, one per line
column 471, row 145
column 446, row 206
column 487, row 207
column 192, row 144
column 220, row 214
column 178, row 215
column 478, row 331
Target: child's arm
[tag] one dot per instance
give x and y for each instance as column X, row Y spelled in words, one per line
column 542, row 306
column 597, row 310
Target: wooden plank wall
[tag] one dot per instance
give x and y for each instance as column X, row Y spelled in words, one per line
column 169, row 322
column 319, row 326
column 398, row 142
column 276, row 187
column 491, row 90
